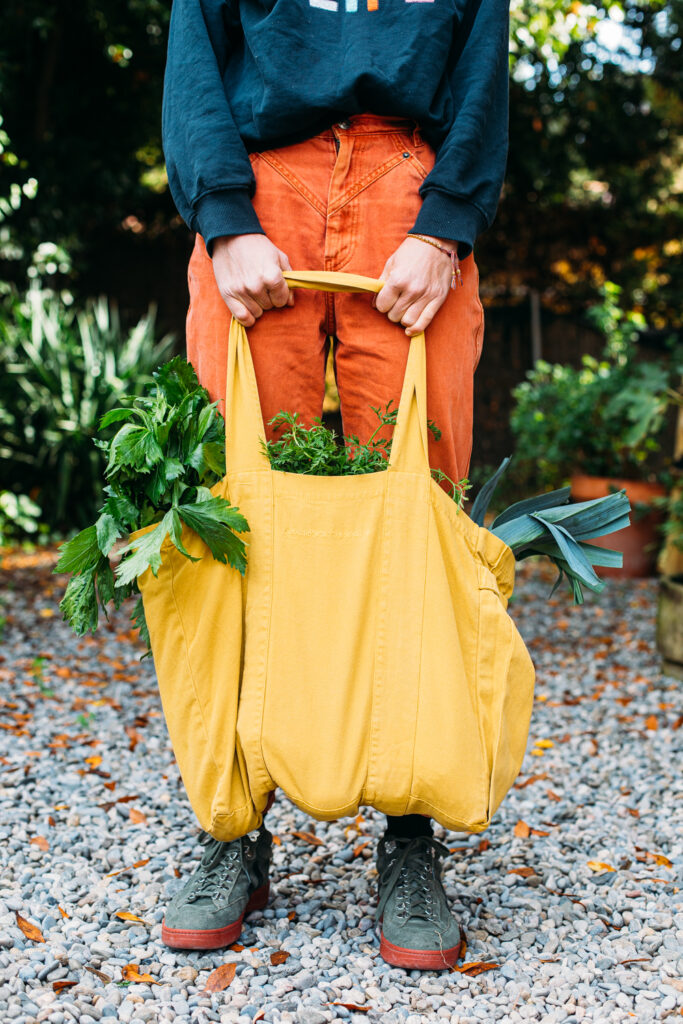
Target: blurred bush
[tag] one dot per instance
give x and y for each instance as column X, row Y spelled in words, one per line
column 61, row 369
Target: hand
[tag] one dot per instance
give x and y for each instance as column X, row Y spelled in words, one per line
column 248, row 271
column 416, row 278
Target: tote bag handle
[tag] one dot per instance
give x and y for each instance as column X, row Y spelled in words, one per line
column 244, row 425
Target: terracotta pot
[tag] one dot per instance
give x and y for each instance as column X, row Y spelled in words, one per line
column 670, row 625
column 641, row 540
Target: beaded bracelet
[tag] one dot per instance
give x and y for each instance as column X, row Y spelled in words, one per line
column 455, row 262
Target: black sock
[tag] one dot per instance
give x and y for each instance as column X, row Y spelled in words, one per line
column 407, row 826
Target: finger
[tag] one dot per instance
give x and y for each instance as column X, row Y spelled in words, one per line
column 286, row 265
column 425, row 318
column 261, row 296
column 387, row 297
column 413, row 312
column 403, row 304
column 382, row 277
column 246, row 310
column 278, row 290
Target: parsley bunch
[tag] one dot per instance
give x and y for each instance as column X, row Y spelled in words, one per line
column 318, row 451
column 161, row 463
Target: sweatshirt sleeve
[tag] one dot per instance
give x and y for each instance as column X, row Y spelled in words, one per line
column 209, row 171
column 460, row 194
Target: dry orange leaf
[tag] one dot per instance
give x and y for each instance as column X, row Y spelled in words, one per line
column 62, row 911
column 354, row 1007
column 661, row 860
column 524, row 872
column 532, row 778
column 291, row 915
column 31, row 931
column 137, row 817
column 59, row 986
column 476, row 967
column 125, row 915
column 359, row 849
column 131, row 972
column 652, row 722
column 538, row 832
column 279, row 957
column 552, row 795
column 277, row 840
column 46, row 613
column 598, row 865
column 260, row 1016
column 220, row 978
column 94, row 761
column 236, row 948
column 484, row 845
column 522, row 830
column 41, row 842
column 309, row 837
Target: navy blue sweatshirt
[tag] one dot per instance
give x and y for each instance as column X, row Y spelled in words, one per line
column 249, row 75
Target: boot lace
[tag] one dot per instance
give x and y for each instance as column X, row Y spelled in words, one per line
column 218, row 870
column 412, row 872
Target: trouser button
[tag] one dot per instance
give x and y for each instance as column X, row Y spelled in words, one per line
column 344, row 124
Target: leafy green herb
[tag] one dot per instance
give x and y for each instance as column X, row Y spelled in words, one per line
column 318, row 451
column 167, row 453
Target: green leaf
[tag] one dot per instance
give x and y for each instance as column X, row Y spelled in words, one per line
column 79, row 604
column 79, row 554
column 481, row 502
column 214, row 521
column 115, row 416
column 146, row 553
column 108, row 532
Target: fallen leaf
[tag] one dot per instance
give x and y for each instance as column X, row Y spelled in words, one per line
column 277, row 840
column 598, row 865
column 538, row 832
column 359, row 849
column 219, row 979
column 279, row 957
column 484, row 844
column 522, row 830
column 532, row 778
column 353, row 1007
column 31, row 931
column 633, row 811
column 309, row 837
column 552, row 795
column 59, row 986
column 651, row 722
column 131, row 972
column 46, row 613
column 525, row 872
column 260, row 1016
column 661, row 860
column 236, row 948
column 476, row 967
column 537, row 753
column 291, row 915
column 41, row 842
column 62, row 911
column 137, row 817
column 545, row 744
column 98, row 974
column 636, row 960
column 125, row 915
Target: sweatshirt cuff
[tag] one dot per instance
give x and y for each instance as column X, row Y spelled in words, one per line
column 445, row 216
column 227, row 212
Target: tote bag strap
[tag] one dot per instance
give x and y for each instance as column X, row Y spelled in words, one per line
column 244, row 425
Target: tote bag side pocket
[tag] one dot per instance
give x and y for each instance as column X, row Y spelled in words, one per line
column 505, row 688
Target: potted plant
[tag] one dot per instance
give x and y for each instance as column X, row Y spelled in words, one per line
column 599, row 425
column 670, row 601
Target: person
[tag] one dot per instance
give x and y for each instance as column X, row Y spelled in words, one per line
column 362, row 135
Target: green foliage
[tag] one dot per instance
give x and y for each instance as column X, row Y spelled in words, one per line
column 550, row 524
column 19, row 518
column 604, row 418
column 167, row 453
column 317, row 451
column 61, row 369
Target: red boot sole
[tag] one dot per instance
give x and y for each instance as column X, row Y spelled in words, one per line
column 214, row 938
column 420, row 959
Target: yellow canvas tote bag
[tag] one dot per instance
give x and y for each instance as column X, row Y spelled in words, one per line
column 367, row 656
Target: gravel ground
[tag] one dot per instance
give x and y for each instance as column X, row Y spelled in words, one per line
column 571, row 898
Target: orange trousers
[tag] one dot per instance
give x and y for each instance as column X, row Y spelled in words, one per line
column 344, row 200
